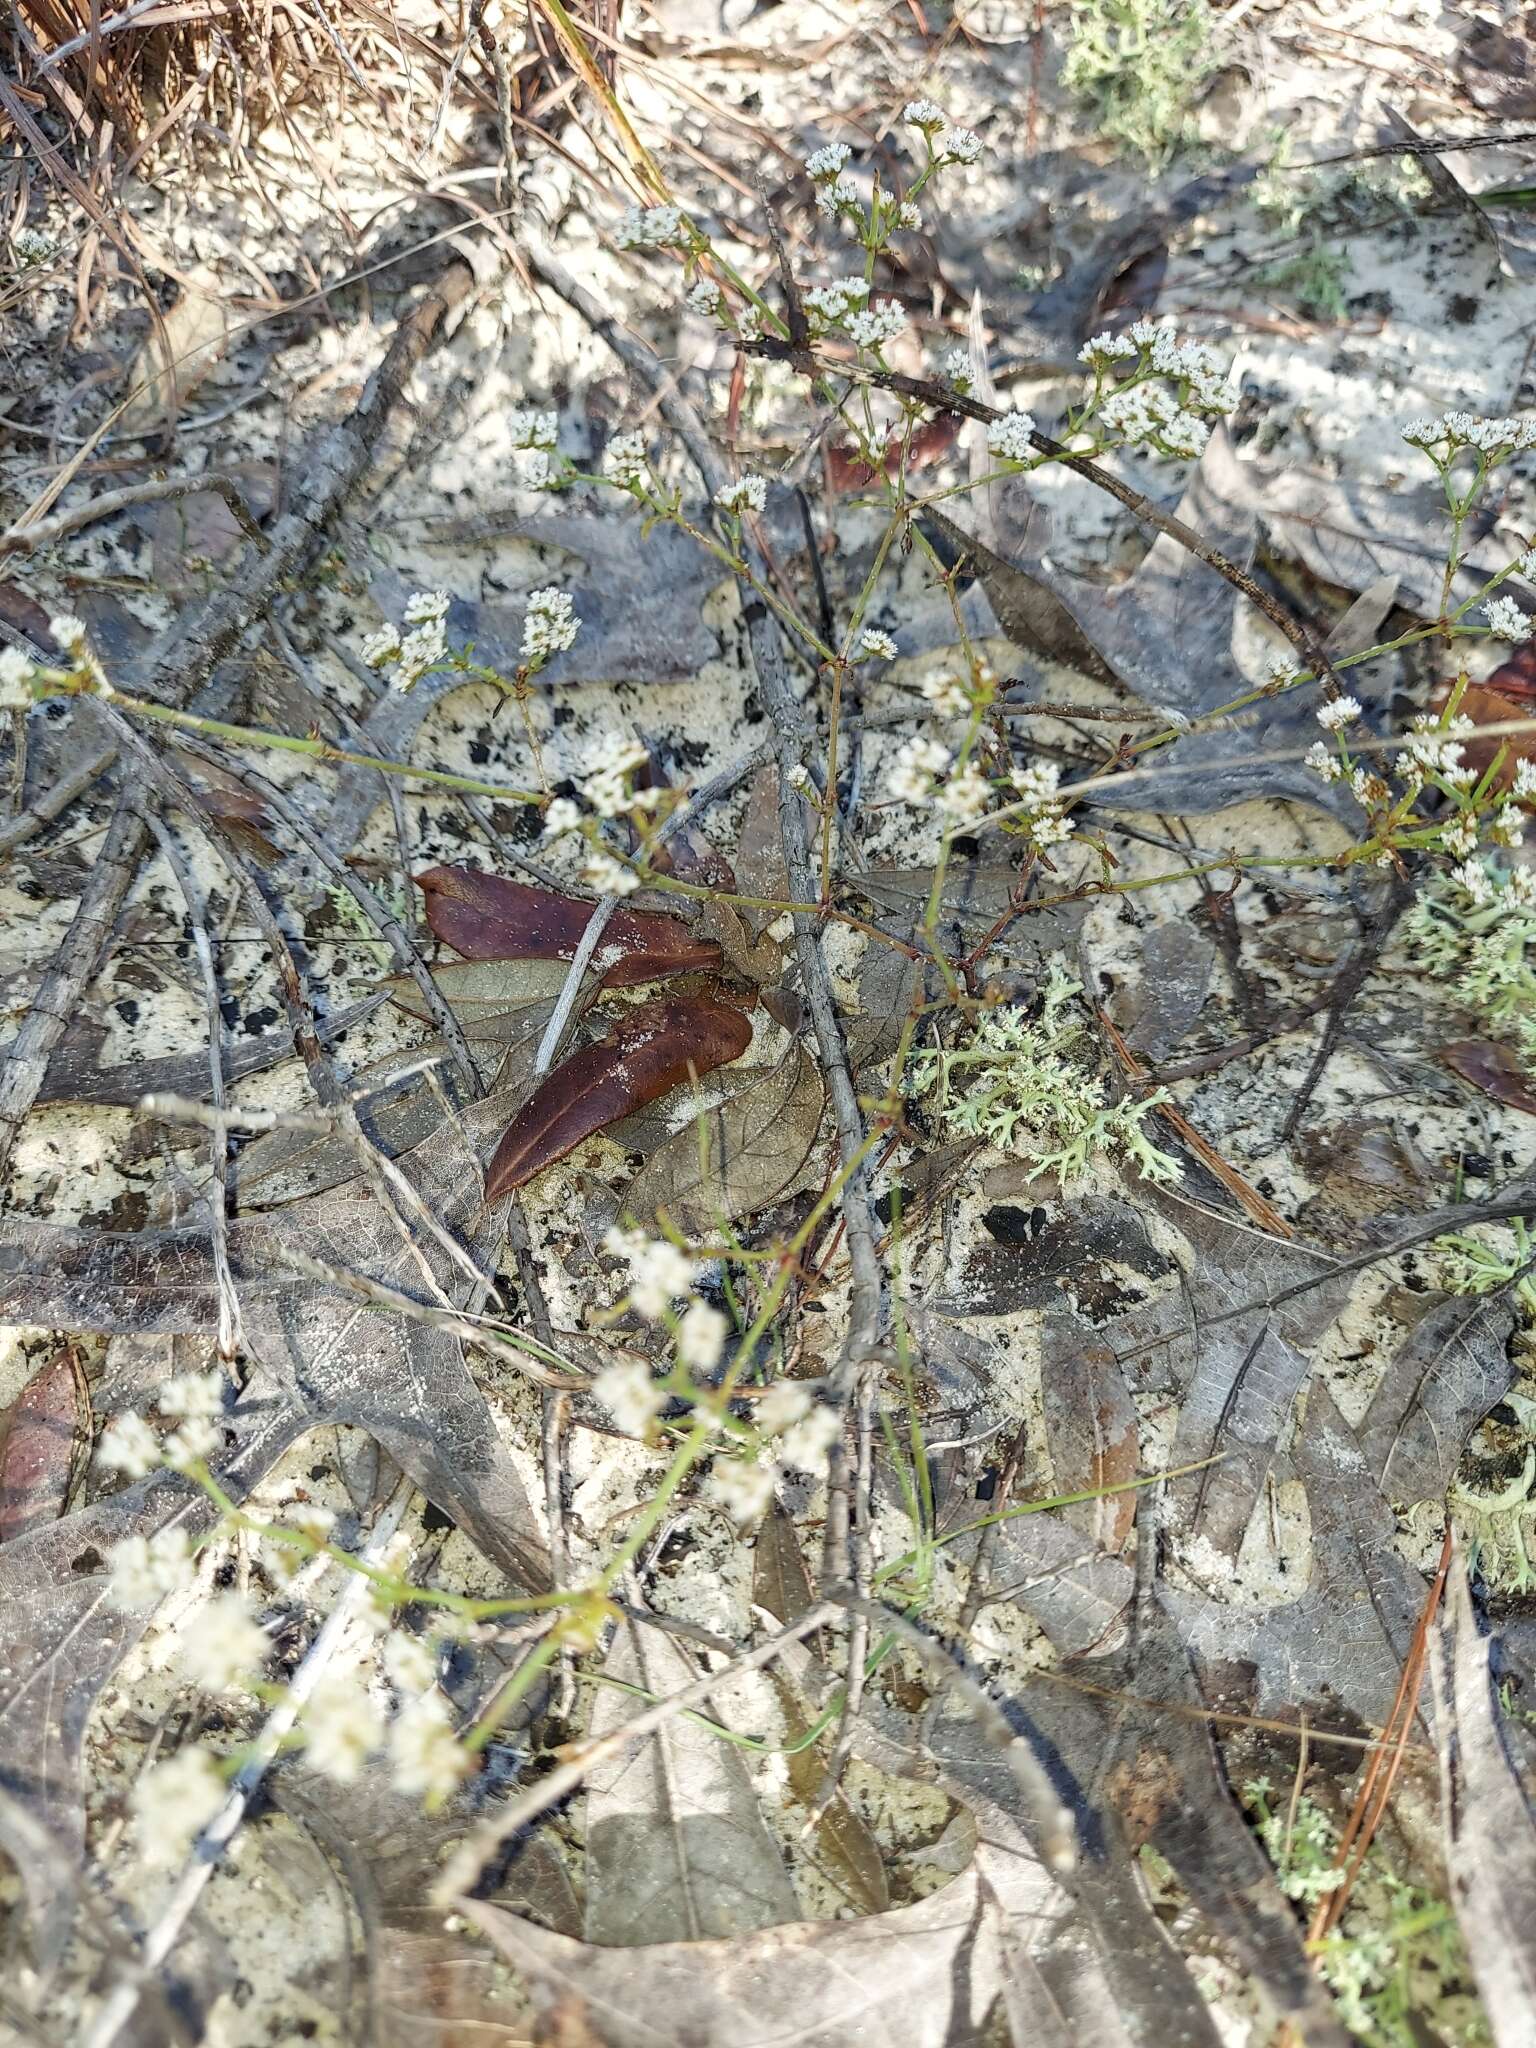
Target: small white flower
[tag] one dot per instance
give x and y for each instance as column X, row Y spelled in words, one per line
column 1038, row 783
column 419, row 651
column 1052, row 828
column 426, row 607
column 561, row 817
column 957, row 146
column 410, row 1661
column 873, row 645
column 1341, row 712
column 785, row 1402
column 965, row 796
column 1520, row 888
column 1421, row 433
column 909, row 217
column 946, row 693
column 743, row 1490
column 807, row 1444
column 877, row 325
column 624, row 460
column 193, row 1444
column 1505, row 619
column 660, row 1273
column 68, row 631
column 923, row 114
column 224, row 1645
column 746, row 494
column 312, row 1520
column 174, row 1801
column 705, row 297
column 537, row 469
column 531, row 429
column 15, row 680
column 341, row 1725
column 630, row 1395
column 701, row 1337
column 827, row 162
column 1107, row 348
column 550, row 624
column 426, row 1757
column 840, row 196
column 1525, row 778
column 1459, row 838
column 1009, row 437
column 609, row 877
column 192, row 1393
column 917, row 762
column 1525, row 565
column 129, row 1445
column 956, row 367
column 145, row 1568
column 800, row 778
column 1508, row 826
column 1474, row 879
column 651, row 227
column 1324, row 761
column 382, row 647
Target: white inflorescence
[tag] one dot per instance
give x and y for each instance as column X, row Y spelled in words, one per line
column 746, row 494
column 550, row 624
column 1009, row 437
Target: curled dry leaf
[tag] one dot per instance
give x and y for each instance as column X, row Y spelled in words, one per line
column 1494, row 1069
column 645, row 1054
column 486, row 917
column 740, row 1157
column 503, row 1001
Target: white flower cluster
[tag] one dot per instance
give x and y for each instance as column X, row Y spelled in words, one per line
column 706, row 297
column 607, row 875
column 605, row 788
column 1335, row 716
column 1009, row 437
column 16, row 673
column 956, row 368
column 836, row 192
column 143, row 1569
column 652, row 227
column 957, row 146
column 173, row 1801
column 527, row 428
column 827, row 162
column 828, row 305
column 965, row 796
column 550, row 625
column 128, row 1444
column 1038, row 788
column 746, row 494
column 1505, row 619
column 870, row 644
column 660, row 1275
column 917, row 763
column 1431, row 747
column 877, row 325
column 412, row 654
column 804, row 1431
column 1145, row 413
column 924, row 114
column 1494, row 438
column 1107, row 348
column 625, row 461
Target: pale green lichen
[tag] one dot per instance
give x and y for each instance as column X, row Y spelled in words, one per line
column 1023, row 1083
column 1137, row 64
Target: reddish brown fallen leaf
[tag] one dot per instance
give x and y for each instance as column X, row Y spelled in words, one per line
column 37, row 1442
column 1494, row 1069
column 848, row 471
column 486, row 917
column 1510, row 692
column 646, row 1053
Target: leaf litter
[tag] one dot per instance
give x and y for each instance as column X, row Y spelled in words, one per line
column 1110, row 1332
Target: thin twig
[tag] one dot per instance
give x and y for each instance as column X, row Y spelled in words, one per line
column 42, row 531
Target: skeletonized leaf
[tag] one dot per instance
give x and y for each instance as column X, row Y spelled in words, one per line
column 760, row 869
column 646, row 1053
column 740, row 1157
column 37, row 1445
column 1444, row 1377
column 677, row 1847
column 1490, row 1836
column 486, row 917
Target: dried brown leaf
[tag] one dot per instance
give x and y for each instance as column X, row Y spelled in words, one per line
column 740, row 1157
column 646, row 1053
column 486, row 917
column 1493, row 1068
column 37, row 1447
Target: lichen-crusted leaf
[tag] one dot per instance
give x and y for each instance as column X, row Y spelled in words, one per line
column 742, row 1156
column 499, row 1000
column 486, row 917
column 1090, row 1426
column 1490, row 1835
column 677, row 1847
column 646, row 1053
column 1450, row 1369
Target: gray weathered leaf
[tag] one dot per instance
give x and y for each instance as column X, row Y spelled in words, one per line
column 677, row 1847
column 747, row 1153
column 1490, row 1834
column 1090, row 1430
column 1447, row 1373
